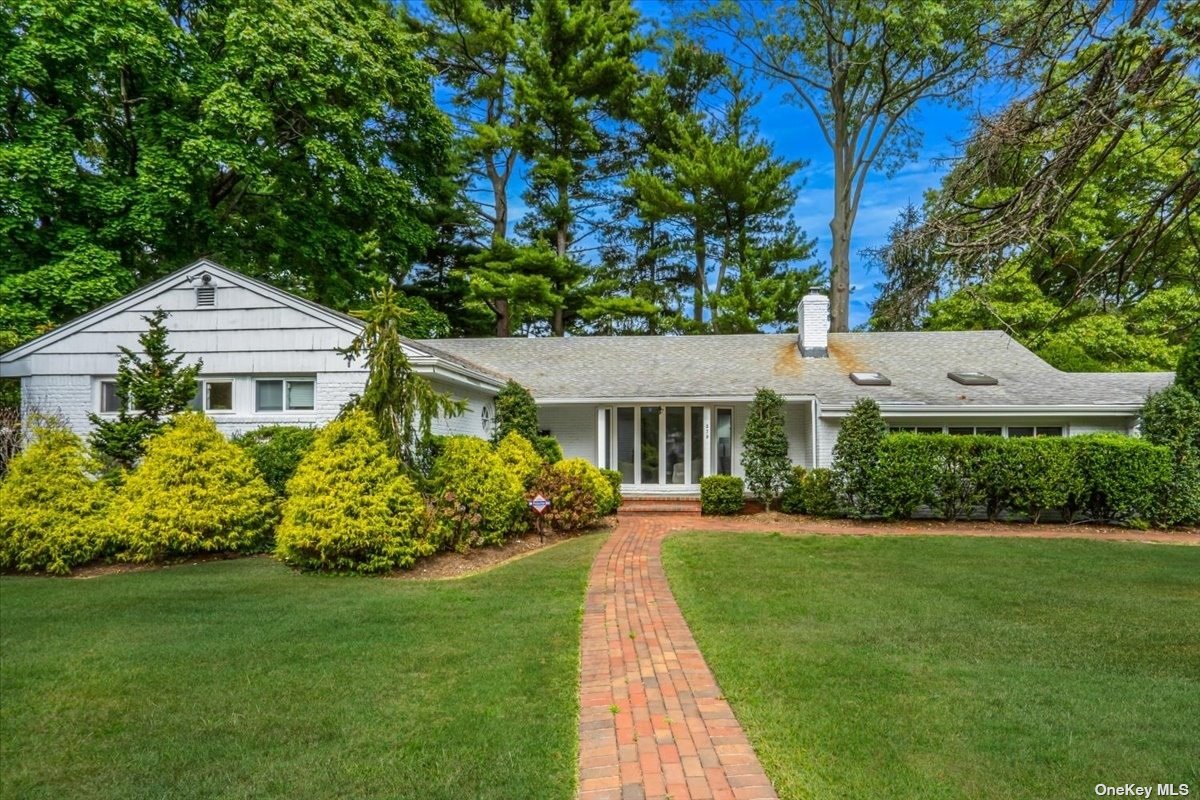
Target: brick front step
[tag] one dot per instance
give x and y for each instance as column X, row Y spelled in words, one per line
column 660, row 505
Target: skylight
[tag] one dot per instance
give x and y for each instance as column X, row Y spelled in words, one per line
column 972, row 378
column 870, row 379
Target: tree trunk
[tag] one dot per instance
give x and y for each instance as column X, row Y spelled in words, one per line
column 839, row 228
column 560, row 247
column 701, row 275
column 503, row 319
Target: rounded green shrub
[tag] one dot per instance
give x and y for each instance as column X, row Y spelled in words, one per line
column 348, row 507
column 722, row 495
column 478, row 499
column 572, row 498
column 193, row 492
column 1172, row 418
column 1042, row 475
column 602, row 491
column 276, row 451
column 520, row 458
column 548, row 448
column 614, row 480
column 817, row 493
column 791, row 499
column 52, row 504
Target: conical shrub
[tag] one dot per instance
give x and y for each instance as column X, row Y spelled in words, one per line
column 52, row 505
column 194, row 492
column 348, row 507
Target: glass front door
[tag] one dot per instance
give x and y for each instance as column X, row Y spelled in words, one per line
column 657, row 445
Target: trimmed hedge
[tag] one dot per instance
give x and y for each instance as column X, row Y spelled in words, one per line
column 276, row 451
column 1103, row 477
column 52, row 504
column 349, row 508
column 193, row 492
column 722, row 495
column 478, row 499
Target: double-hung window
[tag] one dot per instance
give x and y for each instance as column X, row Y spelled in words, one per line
column 285, row 394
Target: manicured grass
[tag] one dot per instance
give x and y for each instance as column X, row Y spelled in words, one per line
column 244, row 679
column 951, row 667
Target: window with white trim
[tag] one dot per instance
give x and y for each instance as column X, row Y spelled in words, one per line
column 284, row 394
column 110, row 401
column 1011, row 431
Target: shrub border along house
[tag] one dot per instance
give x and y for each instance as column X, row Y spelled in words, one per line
column 1101, row 477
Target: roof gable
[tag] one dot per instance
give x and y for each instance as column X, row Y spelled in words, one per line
column 187, row 274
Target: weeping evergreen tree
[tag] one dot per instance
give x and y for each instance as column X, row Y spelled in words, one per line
column 402, row 403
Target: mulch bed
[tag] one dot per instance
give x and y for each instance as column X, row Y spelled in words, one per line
column 786, row 523
column 444, row 566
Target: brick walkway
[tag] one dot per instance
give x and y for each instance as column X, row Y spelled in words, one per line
column 653, row 722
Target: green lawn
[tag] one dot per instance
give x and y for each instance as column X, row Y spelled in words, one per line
column 245, row 679
column 888, row 667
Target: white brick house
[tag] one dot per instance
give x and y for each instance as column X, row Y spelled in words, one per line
column 664, row 411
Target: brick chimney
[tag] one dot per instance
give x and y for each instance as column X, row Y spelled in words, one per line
column 813, row 340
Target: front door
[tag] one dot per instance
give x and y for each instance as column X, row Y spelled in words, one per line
column 657, row 445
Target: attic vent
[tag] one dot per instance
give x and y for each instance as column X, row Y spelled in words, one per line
column 972, row 378
column 870, row 379
column 206, row 293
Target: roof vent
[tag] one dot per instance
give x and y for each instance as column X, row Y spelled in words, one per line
column 206, row 293
column 972, row 378
column 870, row 379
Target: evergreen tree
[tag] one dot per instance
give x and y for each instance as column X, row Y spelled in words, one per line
column 516, row 412
column 765, row 447
column 474, row 44
column 580, row 75
column 150, row 390
column 725, row 198
column 402, row 403
column 856, row 454
column 912, row 275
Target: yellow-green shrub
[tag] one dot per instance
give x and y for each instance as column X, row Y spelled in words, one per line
column 479, row 500
column 194, row 492
column 602, row 491
column 348, row 507
column 52, row 505
column 519, row 456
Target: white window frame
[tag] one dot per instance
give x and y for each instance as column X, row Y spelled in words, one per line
column 98, row 402
column 203, row 383
column 607, row 440
column 284, row 407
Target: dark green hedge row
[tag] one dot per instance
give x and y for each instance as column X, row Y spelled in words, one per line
column 1101, row 477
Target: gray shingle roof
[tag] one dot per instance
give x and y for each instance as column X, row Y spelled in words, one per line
column 608, row 367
